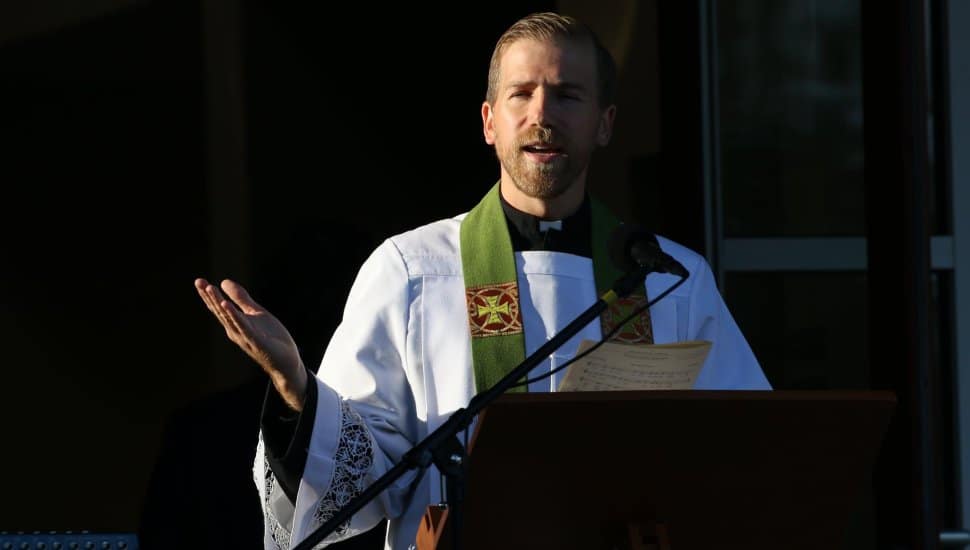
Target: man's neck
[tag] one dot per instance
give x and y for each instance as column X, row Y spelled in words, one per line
column 545, row 209
column 571, row 234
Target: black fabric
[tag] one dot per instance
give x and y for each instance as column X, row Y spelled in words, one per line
column 286, row 435
column 575, row 236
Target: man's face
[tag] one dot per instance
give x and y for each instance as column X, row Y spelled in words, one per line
column 546, row 119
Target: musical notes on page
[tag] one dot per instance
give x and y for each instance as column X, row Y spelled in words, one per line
column 615, row 366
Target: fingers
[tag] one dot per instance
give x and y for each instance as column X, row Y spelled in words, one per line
column 237, row 322
column 203, row 288
column 223, row 310
column 241, row 297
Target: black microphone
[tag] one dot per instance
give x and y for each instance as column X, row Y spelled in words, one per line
column 633, row 247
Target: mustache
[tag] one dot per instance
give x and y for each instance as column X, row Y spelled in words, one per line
column 541, row 135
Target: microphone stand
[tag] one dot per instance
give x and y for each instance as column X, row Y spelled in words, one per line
column 442, row 445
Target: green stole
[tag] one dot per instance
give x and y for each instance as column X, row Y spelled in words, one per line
column 492, row 290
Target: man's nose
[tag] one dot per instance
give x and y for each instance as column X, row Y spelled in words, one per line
column 543, row 106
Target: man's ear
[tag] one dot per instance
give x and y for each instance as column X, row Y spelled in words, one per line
column 488, row 125
column 605, row 129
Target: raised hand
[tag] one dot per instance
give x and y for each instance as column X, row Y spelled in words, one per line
column 260, row 334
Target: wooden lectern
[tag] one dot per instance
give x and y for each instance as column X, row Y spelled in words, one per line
column 659, row 470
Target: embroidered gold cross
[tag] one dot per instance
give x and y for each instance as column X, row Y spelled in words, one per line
column 493, row 310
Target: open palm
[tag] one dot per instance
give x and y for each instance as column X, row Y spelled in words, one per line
column 254, row 329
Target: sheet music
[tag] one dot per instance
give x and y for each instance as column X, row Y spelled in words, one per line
column 615, row 366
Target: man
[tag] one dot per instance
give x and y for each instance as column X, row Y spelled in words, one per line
column 441, row 312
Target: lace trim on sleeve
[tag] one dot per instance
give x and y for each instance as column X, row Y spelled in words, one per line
column 352, row 462
column 279, row 533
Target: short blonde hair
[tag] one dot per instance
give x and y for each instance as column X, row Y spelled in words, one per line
column 547, row 26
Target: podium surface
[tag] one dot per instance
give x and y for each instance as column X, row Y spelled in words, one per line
column 689, row 469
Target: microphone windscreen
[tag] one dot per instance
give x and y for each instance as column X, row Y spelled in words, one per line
column 622, row 242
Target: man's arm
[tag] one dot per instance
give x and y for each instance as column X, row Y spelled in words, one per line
column 326, row 437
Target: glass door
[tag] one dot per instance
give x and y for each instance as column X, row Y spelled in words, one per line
column 785, row 166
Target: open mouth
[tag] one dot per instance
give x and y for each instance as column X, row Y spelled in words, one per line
column 543, row 152
column 542, row 149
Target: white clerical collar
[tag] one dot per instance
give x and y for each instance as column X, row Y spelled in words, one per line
column 545, row 225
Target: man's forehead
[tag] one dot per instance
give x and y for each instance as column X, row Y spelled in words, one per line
column 568, row 60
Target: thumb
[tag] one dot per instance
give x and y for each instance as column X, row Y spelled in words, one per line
column 242, row 298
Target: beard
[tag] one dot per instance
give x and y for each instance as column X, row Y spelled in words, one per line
column 541, row 180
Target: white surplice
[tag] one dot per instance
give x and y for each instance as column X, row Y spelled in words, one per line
column 400, row 363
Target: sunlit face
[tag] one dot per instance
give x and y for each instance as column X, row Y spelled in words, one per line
column 546, row 119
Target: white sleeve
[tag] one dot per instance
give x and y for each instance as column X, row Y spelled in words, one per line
column 731, row 365
column 365, row 416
